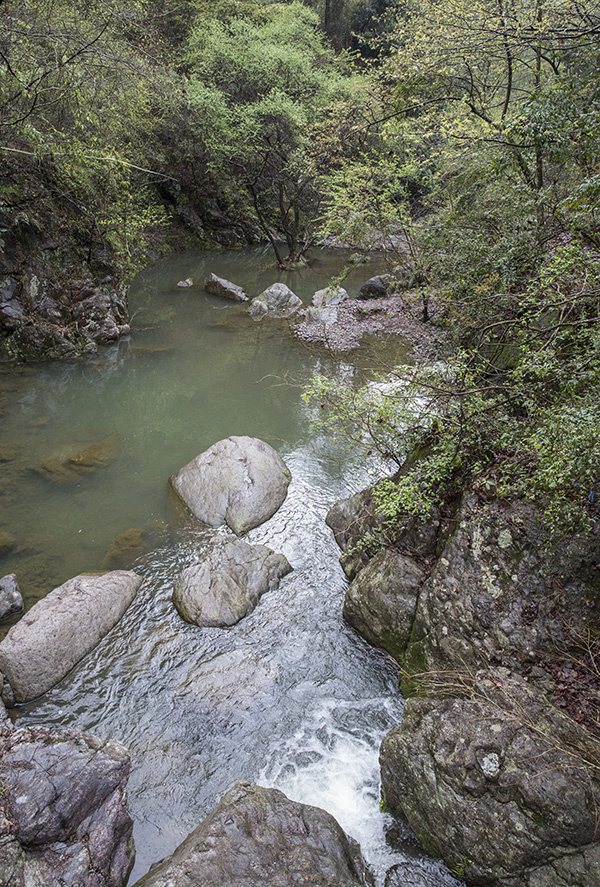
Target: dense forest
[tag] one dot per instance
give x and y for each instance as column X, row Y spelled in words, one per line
column 466, row 136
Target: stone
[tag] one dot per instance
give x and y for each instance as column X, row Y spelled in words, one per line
column 227, row 583
column 218, row 286
column 185, row 283
column 326, row 315
column 122, row 551
column 501, row 785
column 277, row 301
column 257, row 836
column 64, row 816
column 100, row 315
column 7, row 542
column 381, row 601
column 62, row 628
column 330, row 296
column 361, row 529
column 375, row 287
column 239, row 481
column 498, row 594
column 68, row 468
column 11, row 602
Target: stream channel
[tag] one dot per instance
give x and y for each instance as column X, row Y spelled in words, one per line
column 290, row 697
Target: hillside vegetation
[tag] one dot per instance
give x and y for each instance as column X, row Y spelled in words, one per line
column 466, row 135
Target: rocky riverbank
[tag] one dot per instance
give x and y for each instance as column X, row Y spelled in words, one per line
column 477, row 606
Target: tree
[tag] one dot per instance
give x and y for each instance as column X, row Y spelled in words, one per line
column 258, row 90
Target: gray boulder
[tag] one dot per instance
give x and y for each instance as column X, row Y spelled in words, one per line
column 239, row 481
column 228, row 582
column 257, row 836
column 331, row 295
column 61, row 629
column 375, row 287
column 63, row 817
column 11, row 601
column 218, row 286
column 277, row 301
column 500, row 784
column 381, row 601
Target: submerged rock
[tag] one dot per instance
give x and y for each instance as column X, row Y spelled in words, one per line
column 63, row 817
column 501, row 785
column 239, row 481
column 381, row 601
column 68, row 468
column 60, row 629
column 277, row 301
column 122, row 551
column 257, row 836
column 218, row 286
column 228, row 582
column 7, row 542
column 11, row 601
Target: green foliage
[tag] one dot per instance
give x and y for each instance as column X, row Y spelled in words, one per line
column 258, row 89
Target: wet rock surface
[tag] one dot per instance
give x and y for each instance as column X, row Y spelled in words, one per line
column 228, row 582
column 239, row 481
column 501, row 784
column 63, row 809
column 257, row 836
column 60, row 629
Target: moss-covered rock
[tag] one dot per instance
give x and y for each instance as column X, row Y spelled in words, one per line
column 500, row 784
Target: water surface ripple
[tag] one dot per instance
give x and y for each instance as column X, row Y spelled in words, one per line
column 291, row 696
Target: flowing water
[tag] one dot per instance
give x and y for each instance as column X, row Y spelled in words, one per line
column 290, row 697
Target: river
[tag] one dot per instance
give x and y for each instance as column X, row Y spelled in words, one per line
column 290, row 697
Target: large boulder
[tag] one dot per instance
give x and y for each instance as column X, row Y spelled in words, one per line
column 499, row 784
column 361, row 529
column 11, row 602
column 218, row 286
column 257, row 836
column 381, row 601
column 375, row 287
column 63, row 812
column 499, row 593
column 62, row 628
column 277, row 301
column 239, row 481
column 228, row 582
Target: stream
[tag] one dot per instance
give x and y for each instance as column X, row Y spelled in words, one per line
column 290, row 697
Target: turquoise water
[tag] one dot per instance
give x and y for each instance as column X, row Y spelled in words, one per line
column 290, row 696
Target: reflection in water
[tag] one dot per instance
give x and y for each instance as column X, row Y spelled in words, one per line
column 290, row 696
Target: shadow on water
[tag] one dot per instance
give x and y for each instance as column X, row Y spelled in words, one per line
column 290, row 696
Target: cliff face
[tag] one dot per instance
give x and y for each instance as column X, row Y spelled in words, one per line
column 62, row 290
